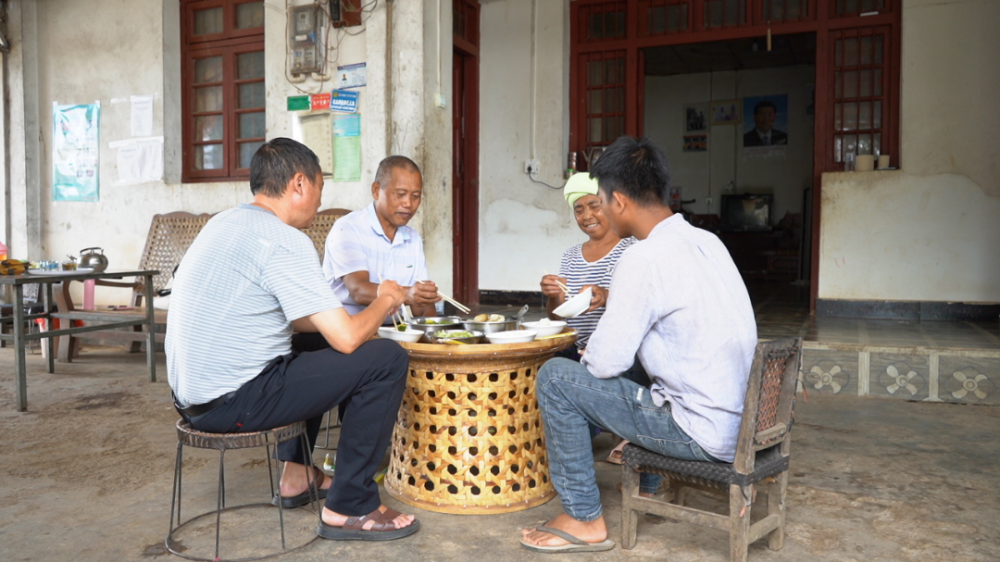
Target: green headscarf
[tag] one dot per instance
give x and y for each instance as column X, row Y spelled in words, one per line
column 579, row 184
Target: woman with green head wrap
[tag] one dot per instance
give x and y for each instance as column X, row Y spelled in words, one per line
column 589, row 264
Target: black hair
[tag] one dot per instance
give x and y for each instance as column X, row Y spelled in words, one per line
column 390, row 163
column 764, row 103
column 635, row 167
column 275, row 164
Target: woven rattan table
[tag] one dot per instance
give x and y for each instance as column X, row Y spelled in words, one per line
column 469, row 439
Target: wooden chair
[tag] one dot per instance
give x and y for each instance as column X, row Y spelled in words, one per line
column 761, row 464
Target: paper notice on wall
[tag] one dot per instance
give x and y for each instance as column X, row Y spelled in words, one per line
column 317, row 134
column 75, row 152
column 139, row 160
column 142, row 116
column 347, row 147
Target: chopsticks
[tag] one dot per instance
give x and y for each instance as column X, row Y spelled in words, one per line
column 393, row 315
column 564, row 288
column 455, row 303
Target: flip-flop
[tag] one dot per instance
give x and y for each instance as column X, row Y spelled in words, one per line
column 384, row 528
column 575, row 544
column 312, row 493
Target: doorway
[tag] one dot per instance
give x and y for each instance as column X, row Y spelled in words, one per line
column 736, row 119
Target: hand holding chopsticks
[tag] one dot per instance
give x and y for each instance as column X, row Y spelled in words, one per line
column 394, row 314
column 563, row 287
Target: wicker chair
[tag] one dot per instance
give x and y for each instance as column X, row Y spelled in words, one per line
column 170, row 236
column 762, row 453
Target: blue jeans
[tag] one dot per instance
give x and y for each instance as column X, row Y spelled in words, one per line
column 570, row 398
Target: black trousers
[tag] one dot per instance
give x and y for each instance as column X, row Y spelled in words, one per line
column 302, row 386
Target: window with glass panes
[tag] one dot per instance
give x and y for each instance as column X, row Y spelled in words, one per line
column 223, row 87
column 605, row 96
column 860, row 92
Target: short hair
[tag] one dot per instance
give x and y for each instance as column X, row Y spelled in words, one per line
column 635, row 167
column 275, row 164
column 764, row 103
column 390, row 163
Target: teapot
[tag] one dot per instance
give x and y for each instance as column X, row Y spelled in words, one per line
column 93, row 258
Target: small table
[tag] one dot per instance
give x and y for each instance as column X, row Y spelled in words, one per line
column 469, row 437
column 47, row 280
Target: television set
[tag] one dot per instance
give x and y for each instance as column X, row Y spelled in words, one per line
column 746, row 212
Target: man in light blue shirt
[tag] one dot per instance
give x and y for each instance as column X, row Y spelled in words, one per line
column 374, row 244
column 677, row 304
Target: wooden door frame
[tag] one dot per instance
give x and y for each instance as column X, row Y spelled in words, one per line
column 465, row 209
column 821, row 21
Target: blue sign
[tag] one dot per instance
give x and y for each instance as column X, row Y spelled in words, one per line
column 345, row 101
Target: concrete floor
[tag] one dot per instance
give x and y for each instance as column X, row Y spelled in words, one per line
column 87, row 476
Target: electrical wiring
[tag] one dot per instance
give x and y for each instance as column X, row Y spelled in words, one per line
column 532, row 178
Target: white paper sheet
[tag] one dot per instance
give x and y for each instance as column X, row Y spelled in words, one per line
column 142, row 116
column 139, row 160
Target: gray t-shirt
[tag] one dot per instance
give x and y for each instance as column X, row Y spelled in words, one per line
column 246, row 277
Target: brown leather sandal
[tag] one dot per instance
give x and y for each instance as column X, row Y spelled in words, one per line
column 382, row 529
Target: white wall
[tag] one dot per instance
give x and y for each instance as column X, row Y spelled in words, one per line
column 929, row 231
column 524, row 226
column 136, row 52
column 704, row 175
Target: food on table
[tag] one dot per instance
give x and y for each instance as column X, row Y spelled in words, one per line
column 450, row 334
column 489, row 318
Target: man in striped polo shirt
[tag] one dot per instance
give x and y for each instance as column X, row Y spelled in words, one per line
column 249, row 280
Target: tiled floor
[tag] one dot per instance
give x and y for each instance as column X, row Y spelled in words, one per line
column 935, row 361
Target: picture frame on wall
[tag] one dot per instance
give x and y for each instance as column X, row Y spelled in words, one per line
column 695, row 118
column 726, row 112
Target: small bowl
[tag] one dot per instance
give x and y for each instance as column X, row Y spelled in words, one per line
column 545, row 327
column 576, row 305
column 444, row 336
column 512, row 336
column 489, row 327
column 440, row 323
column 391, row 333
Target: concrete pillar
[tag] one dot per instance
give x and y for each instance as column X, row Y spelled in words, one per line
column 22, row 148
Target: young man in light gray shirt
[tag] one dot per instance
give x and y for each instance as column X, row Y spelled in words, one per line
column 677, row 304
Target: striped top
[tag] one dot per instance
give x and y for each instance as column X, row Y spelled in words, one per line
column 579, row 272
column 246, row 277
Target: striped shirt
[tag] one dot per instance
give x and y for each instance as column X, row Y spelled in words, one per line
column 579, row 272
column 246, row 277
column 357, row 242
column 679, row 303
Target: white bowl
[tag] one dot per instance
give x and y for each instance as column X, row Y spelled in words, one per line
column 512, row 336
column 410, row 335
column 576, row 305
column 545, row 327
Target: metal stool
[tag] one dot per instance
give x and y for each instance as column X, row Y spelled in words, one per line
column 186, row 435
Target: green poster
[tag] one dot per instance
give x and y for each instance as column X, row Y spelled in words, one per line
column 75, row 152
column 347, row 148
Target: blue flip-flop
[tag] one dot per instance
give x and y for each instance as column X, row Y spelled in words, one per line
column 575, row 544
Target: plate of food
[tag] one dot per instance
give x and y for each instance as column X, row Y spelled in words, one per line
column 455, row 337
column 401, row 333
column 545, row 327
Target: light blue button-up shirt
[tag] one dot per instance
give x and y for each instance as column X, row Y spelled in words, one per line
column 679, row 303
column 357, row 242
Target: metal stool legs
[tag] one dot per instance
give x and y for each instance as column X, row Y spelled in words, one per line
column 222, row 442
